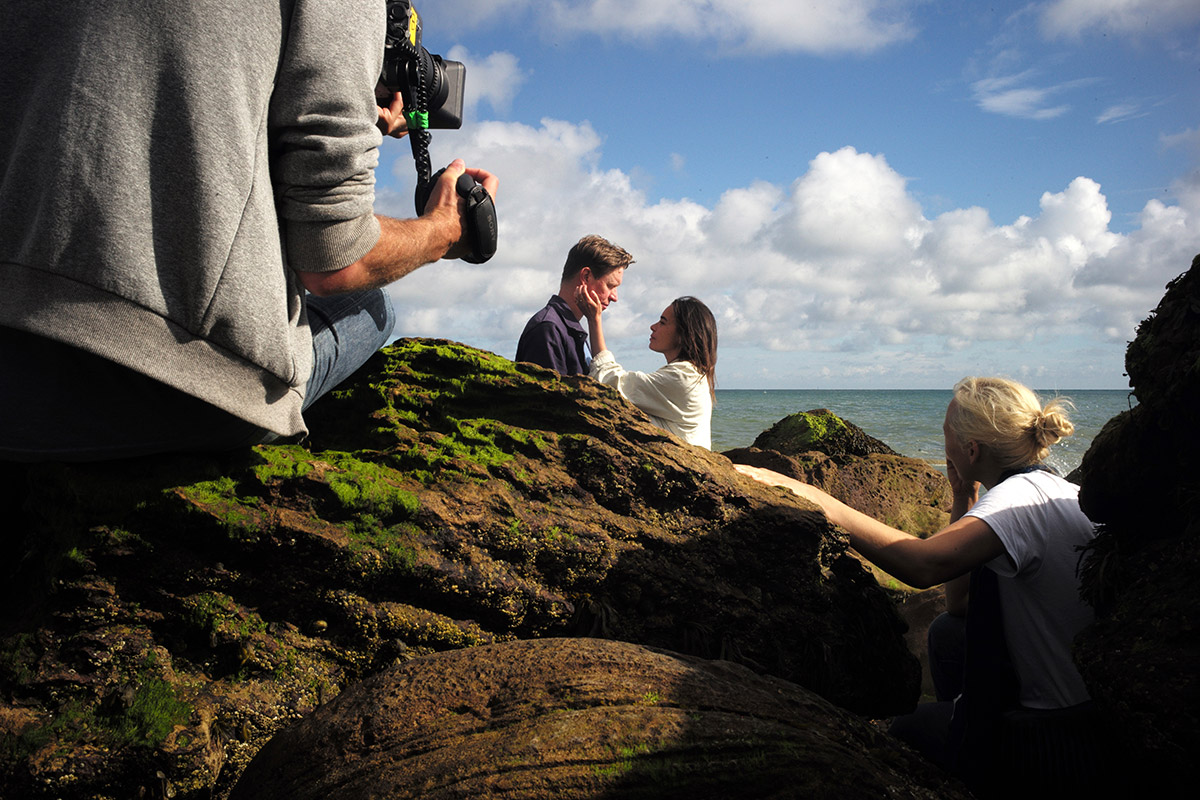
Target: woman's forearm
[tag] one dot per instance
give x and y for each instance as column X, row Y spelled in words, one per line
column 918, row 562
column 597, row 330
column 957, row 590
column 895, row 552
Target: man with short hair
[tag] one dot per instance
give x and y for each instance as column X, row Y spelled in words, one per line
column 553, row 337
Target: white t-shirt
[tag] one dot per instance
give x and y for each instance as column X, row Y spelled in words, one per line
column 675, row 396
column 1037, row 517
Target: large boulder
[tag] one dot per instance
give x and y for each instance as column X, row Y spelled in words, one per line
column 582, row 718
column 906, row 493
column 820, row 448
column 1139, row 481
column 164, row 617
column 823, row 450
column 823, row 431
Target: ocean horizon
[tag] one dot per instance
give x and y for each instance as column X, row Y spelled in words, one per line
column 907, row 420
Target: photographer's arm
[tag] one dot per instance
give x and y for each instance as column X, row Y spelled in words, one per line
column 404, row 245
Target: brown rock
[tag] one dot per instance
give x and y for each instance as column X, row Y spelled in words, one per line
column 1138, row 480
column 170, row 615
column 903, row 492
column 822, row 431
column 582, row 718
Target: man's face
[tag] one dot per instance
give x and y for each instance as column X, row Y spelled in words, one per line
column 606, row 287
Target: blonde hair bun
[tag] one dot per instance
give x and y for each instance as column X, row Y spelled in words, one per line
column 1009, row 419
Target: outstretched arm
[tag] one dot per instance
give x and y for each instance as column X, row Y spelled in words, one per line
column 951, row 552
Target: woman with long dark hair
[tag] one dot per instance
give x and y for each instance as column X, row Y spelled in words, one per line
column 677, row 397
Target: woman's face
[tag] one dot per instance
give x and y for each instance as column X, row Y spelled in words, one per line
column 664, row 335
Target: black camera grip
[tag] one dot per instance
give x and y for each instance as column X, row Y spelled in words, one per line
column 479, row 220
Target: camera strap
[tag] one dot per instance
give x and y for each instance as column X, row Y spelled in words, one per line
column 404, row 32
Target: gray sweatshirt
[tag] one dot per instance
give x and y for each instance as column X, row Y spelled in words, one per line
column 167, row 164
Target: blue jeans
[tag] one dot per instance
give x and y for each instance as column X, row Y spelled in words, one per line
column 346, row 330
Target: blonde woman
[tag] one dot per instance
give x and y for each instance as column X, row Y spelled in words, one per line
column 1010, row 559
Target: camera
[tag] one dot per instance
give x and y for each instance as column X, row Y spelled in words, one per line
column 432, row 89
column 428, row 83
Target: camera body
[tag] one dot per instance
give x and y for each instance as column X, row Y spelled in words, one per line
column 432, row 89
column 427, row 82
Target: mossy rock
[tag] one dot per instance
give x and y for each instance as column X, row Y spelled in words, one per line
column 447, row 499
column 822, row 431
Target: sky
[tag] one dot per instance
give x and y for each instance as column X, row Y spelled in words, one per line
column 867, row 193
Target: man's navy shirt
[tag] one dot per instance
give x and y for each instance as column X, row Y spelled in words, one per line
column 553, row 338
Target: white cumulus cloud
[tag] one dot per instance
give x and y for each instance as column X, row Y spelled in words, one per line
column 836, row 274
column 495, row 78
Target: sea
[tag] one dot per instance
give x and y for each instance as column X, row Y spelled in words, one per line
column 907, row 420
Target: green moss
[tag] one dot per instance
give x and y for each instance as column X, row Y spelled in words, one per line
column 624, row 763
column 378, row 549
column 369, row 488
column 220, row 497
column 436, row 386
column 153, row 711
column 282, row 462
column 556, row 535
column 805, row 430
column 71, row 723
column 17, row 658
column 156, row 709
column 217, row 614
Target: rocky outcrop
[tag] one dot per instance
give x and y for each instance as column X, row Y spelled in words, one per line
column 582, row 718
column 1139, row 481
column 165, row 617
column 823, row 431
column 906, row 493
column 819, row 448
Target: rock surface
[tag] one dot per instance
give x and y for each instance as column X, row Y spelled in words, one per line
column 1139, row 480
column 904, row 492
column 582, row 718
column 821, row 449
column 164, row 617
column 823, row 431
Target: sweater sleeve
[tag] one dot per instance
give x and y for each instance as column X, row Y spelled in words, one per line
column 324, row 138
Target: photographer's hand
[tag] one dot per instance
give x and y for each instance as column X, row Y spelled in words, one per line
column 405, row 244
column 391, row 120
column 445, row 202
